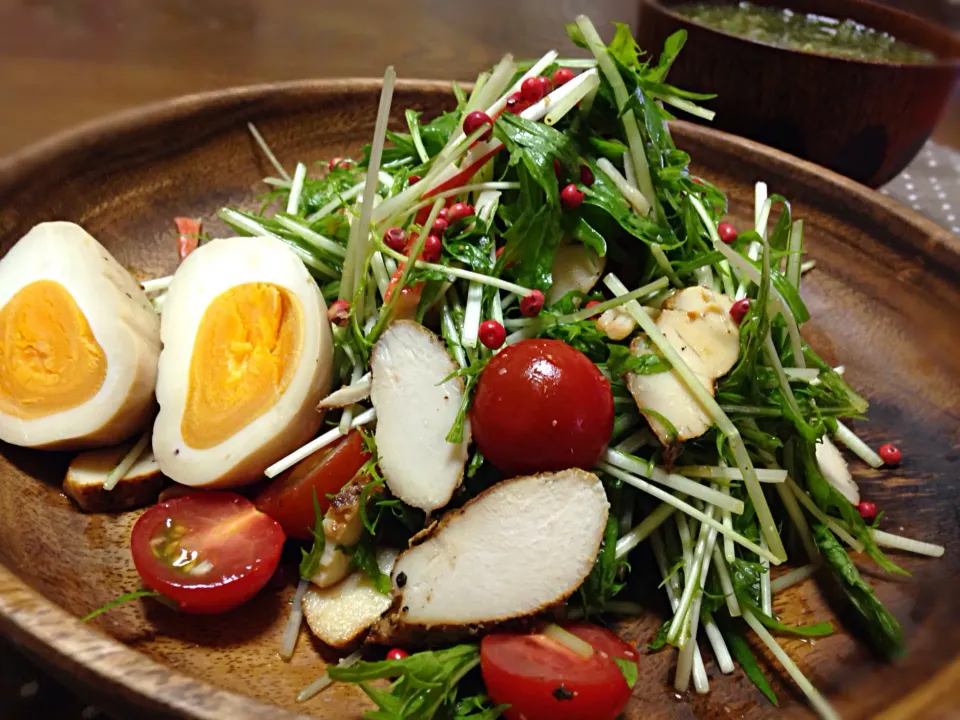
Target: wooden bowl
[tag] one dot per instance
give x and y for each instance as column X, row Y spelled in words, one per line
column 885, row 296
column 864, row 119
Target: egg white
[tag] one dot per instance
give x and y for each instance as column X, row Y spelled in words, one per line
column 293, row 419
column 121, row 320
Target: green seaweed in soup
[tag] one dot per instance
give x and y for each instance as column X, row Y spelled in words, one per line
column 801, row 31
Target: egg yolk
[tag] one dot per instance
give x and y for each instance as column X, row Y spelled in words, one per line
column 245, row 353
column 49, row 359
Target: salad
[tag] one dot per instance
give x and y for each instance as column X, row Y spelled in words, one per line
column 507, row 378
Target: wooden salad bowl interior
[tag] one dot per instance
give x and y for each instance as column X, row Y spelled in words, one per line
column 885, row 298
column 864, row 119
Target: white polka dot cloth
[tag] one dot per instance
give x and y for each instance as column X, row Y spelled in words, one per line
column 931, row 185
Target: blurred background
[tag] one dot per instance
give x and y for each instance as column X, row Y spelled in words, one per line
column 64, row 62
column 67, row 61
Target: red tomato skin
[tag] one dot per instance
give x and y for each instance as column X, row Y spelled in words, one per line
column 244, row 560
column 541, row 405
column 289, row 498
column 525, row 671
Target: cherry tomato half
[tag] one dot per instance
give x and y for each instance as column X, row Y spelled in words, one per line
column 289, row 498
column 208, row 552
column 544, row 680
column 541, row 405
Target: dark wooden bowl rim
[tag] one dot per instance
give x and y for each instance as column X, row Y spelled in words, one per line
column 93, row 658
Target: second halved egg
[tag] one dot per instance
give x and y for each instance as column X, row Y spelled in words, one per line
column 247, row 356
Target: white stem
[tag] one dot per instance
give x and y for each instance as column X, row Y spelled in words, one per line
column 857, row 446
column 360, row 228
column 296, row 189
column 637, row 440
column 342, row 199
column 292, row 629
column 324, row 681
column 462, row 274
column 766, row 596
column 793, row 577
column 380, row 274
column 128, row 461
column 314, row 238
column 795, row 252
column 726, row 584
column 718, row 472
column 689, row 509
column 632, row 195
column 807, row 375
column 575, row 91
column 156, row 284
column 820, row 705
column 729, row 552
column 897, row 542
column 331, row 436
column 768, row 526
column 830, row 522
column 268, row 152
column 674, row 482
column 799, row 522
column 471, row 315
column 776, row 304
column 600, row 308
column 724, row 661
column 692, row 572
column 641, row 532
column 347, row 416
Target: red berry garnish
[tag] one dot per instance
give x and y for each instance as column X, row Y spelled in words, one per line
column 561, row 76
column 890, row 454
column 592, row 303
column 459, row 211
column 338, row 162
column 492, row 334
column 397, row 654
column 439, row 226
column 546, row 87
column 867, row 510
column 515, row 103
column 531, row 90
column 395, row 239
column 432, row 249
column 476, row 120
column 727, row 232
column 443, row 214
column 339, row 313
column 586, row 175
column 414, row 179
column 557, row 169
column 532, row 304
column 500, row 251
column 571, row 197
column 739, row 310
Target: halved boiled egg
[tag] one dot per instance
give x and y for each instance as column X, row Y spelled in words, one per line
column 247, row 356
column 78, row 343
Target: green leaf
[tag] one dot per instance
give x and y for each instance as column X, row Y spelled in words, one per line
column 135, row 595
column 601, row 584
column 881, row 626
column 621, row 361
column 660, row 641
column 740, row 651
column 425, row 683
column 821, row 629
column 363, row 557
column 629, row 670
column 310, row 561
column 471, row 373
column 829, row 499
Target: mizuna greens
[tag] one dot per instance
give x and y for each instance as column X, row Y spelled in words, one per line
column 714, row 508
